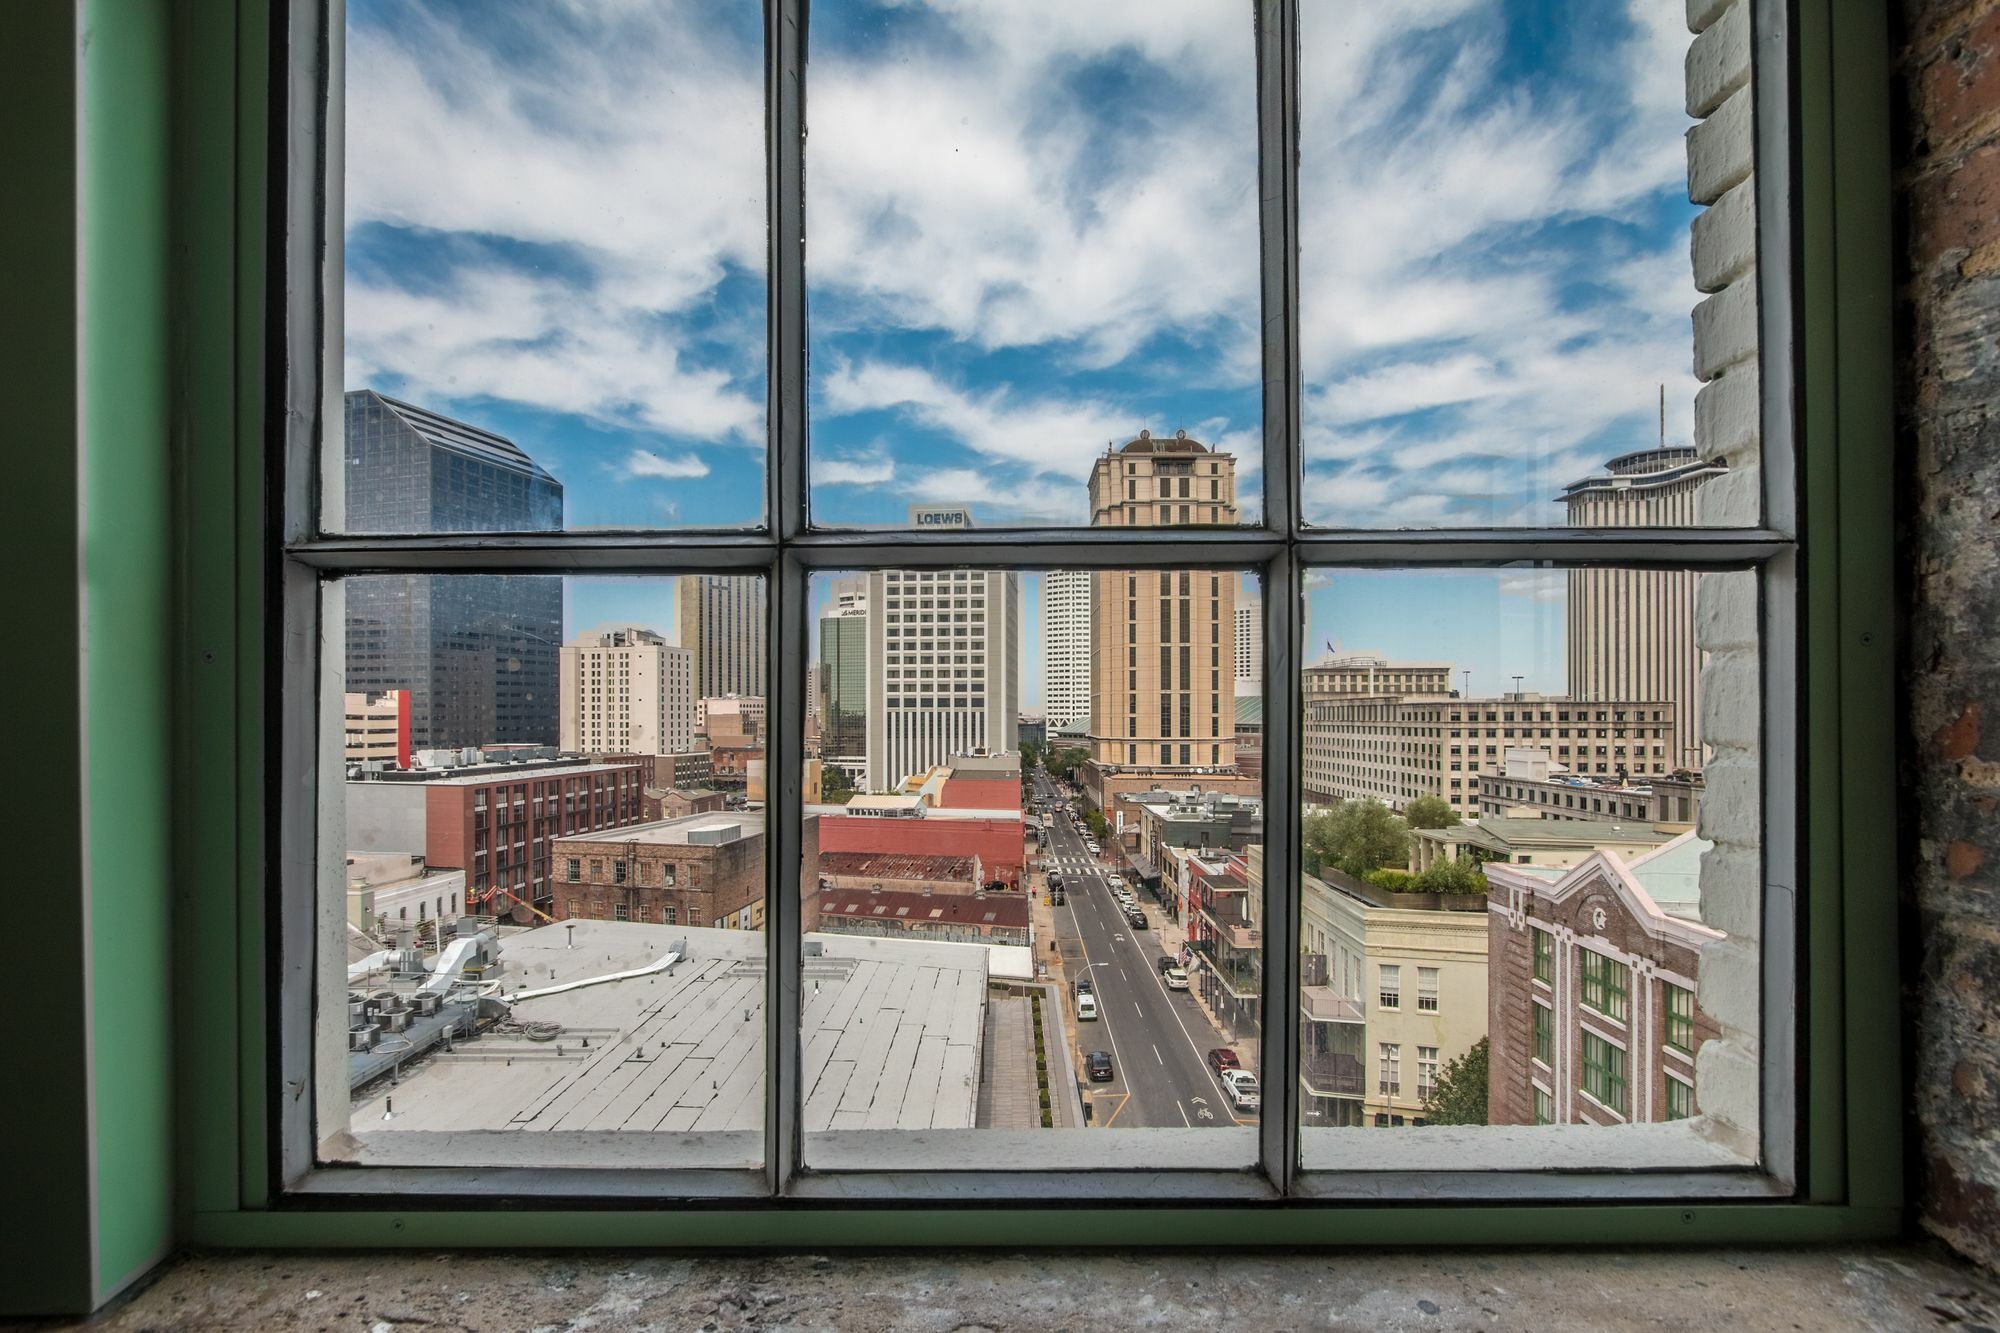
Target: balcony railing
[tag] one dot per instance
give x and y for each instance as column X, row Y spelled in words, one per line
column 1242, row 976
column 1332, row 1074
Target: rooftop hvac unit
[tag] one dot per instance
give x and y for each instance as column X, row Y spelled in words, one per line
column 361, row 1039
column 426, row 1004
column 399, row 1021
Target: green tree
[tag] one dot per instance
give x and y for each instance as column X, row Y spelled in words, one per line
column 1064, row 763
column 1356, row 837
column 1429, row 812
column 1460, row 1095
column 1452, row 877
column 1094, row 821
column 835, row 787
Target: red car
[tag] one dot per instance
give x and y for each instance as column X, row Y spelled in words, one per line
column 1222, row 1058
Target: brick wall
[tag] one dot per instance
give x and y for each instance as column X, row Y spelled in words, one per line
column 1949, row 187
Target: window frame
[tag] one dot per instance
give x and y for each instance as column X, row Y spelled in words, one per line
column 254, row 87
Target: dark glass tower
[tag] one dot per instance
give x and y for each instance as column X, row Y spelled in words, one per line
column 478, row 652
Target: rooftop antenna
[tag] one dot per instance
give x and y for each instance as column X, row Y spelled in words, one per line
column 1663, row 416
column 1517, row 687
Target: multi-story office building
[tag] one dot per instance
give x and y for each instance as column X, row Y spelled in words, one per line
column 1596, row 969
column 1249, row 644
column 843, row 680
column 722, row 622
column 1533, row 786
column 948, row 642
column 1394, row 989
column 626, row 690
column 1350, row 673
column 476, row 652
column 377, row 728
column 1629, row 633
column 1393, row 748
column 1066, row 650
column 1163, row 641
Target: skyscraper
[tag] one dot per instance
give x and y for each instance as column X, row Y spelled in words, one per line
column 844, row 677
column 1163, row 642
column 626, row 690
column 477, row 653
column 947, row 646
column 1249, row 645
column 722, row 624
column 1629, row 633
column 1066, row 649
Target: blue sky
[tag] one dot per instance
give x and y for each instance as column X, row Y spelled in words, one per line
column 1032, row 232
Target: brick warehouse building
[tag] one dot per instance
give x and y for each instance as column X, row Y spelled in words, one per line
column 700, row 870
column 995, row 837
column 496, row 822
column 1593, row 975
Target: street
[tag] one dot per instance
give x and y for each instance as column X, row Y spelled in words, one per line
column 1158, row 1038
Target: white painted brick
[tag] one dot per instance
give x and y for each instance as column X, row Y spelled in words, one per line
column 1733, row 500
column 1732, row 891
column 1724, row 240
column 1731, row 695
column 1721, row 149
column 1725, row 328
column 1718, row 63
column 1729, row 415
column 1729, row 1085
column 1731, row 984
column 1703, row 13
column 1725, row 611
column 1732, row 801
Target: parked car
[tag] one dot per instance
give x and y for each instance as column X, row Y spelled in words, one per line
column 1136, row 917
column 1055, row 882
column 1086, row 1008
column 1177, row 978
column 1083, row 986
column 1056, row 898
column 1222, row 1058
column 1115, row 880
column 1166, row 961
column 1099, row 1065
column 1244, row 1094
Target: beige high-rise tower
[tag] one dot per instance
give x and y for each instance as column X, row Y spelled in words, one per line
column 1163, row 642
column 1629, row 633
column 722, row 624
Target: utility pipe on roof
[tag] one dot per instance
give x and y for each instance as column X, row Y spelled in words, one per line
column 649, row 969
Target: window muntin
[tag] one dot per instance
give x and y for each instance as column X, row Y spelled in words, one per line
column 1678, row 1012
column 1491, row 753
column 1603, row 980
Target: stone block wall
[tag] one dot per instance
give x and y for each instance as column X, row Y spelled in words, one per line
column 1948, row 155
column 1721, row 155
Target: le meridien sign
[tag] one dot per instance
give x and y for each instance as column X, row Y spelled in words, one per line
column 939, row 516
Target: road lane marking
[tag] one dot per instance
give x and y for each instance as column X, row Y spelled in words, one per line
column 1157, row 1056
column 1184, row 1119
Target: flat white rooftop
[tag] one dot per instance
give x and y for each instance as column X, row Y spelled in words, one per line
column 892, row 1032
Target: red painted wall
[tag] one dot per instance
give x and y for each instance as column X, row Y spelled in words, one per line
column 980, row 794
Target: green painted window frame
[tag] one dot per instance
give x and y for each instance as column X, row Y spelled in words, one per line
column 1604, row 1072
column 1545, row 1107
column 1545, row 1033
column 1603, row 984
column 1679, row 1099
column 1677, row 1013
column 223, row 159
column 1545, row 955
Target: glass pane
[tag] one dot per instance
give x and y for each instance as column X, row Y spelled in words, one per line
column 544, row 815
column 1496, row 280
column 1021, row 919
column 554, row 273
column 1531, row 832
column 1032, row 238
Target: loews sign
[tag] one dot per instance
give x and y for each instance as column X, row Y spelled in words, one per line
column 939, row 516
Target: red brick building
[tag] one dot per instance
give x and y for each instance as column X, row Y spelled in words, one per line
column 982, row 918
column 980, row 793
column 997, row 840
column 1592, row 976
column 496, row 822
column 700, row 870
column 899, row 872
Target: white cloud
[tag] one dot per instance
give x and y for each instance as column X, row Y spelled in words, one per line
column 646, row 463
column 872, row 469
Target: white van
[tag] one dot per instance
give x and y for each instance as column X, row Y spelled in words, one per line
column 1086, row 1007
